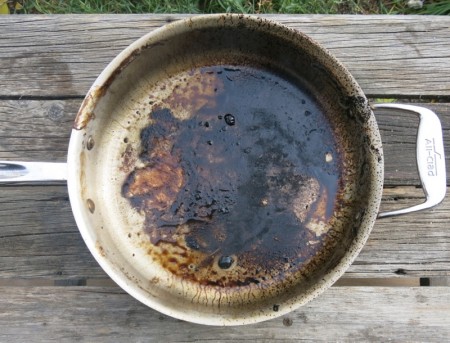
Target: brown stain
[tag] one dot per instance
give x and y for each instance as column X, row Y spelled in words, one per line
column 318, row 219
column 159, row 183
column 86, row 112
column 128, row 158
column 101, row 251
column 189, row 97
column 155, row 280
column 210, row 189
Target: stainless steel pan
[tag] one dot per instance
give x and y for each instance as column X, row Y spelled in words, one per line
column 226, row 170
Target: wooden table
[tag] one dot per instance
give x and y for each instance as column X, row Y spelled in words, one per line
column 52, row 289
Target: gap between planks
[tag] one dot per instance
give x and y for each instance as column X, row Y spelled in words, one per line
column 343, row 282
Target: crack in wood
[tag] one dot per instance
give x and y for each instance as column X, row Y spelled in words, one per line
column 40, row 97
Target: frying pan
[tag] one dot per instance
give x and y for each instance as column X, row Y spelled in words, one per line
column 225, row 169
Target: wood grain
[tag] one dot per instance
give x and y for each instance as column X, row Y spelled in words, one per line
column 95, row 314
column 39, row 238
column 48, row 64
column 60, row 56
column 417, row 244
column 39, row 130
column 36, row 130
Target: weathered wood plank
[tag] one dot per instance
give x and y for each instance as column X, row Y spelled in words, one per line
column 54, row 56
column 39, row 238
column 36, row 130
column 33, row 130
column 66, row 314
column 417, row 244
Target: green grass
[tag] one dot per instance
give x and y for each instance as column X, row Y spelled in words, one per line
column 237, row 6
column 111, row 6
column 437, row 8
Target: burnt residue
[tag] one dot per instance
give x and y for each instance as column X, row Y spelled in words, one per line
column 239, row 191
column 128, row 160
column 358, row 107
column 86, row 112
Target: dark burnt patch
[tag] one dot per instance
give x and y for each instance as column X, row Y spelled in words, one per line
column 242, row 201
column 358, row 108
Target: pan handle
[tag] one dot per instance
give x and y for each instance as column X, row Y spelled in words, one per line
column 430, row 158
column 12, row 171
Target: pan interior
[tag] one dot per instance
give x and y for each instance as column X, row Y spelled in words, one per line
column 227, row 173
column 238, row 176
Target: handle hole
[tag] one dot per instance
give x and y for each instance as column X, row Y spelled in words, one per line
column 399, row 146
